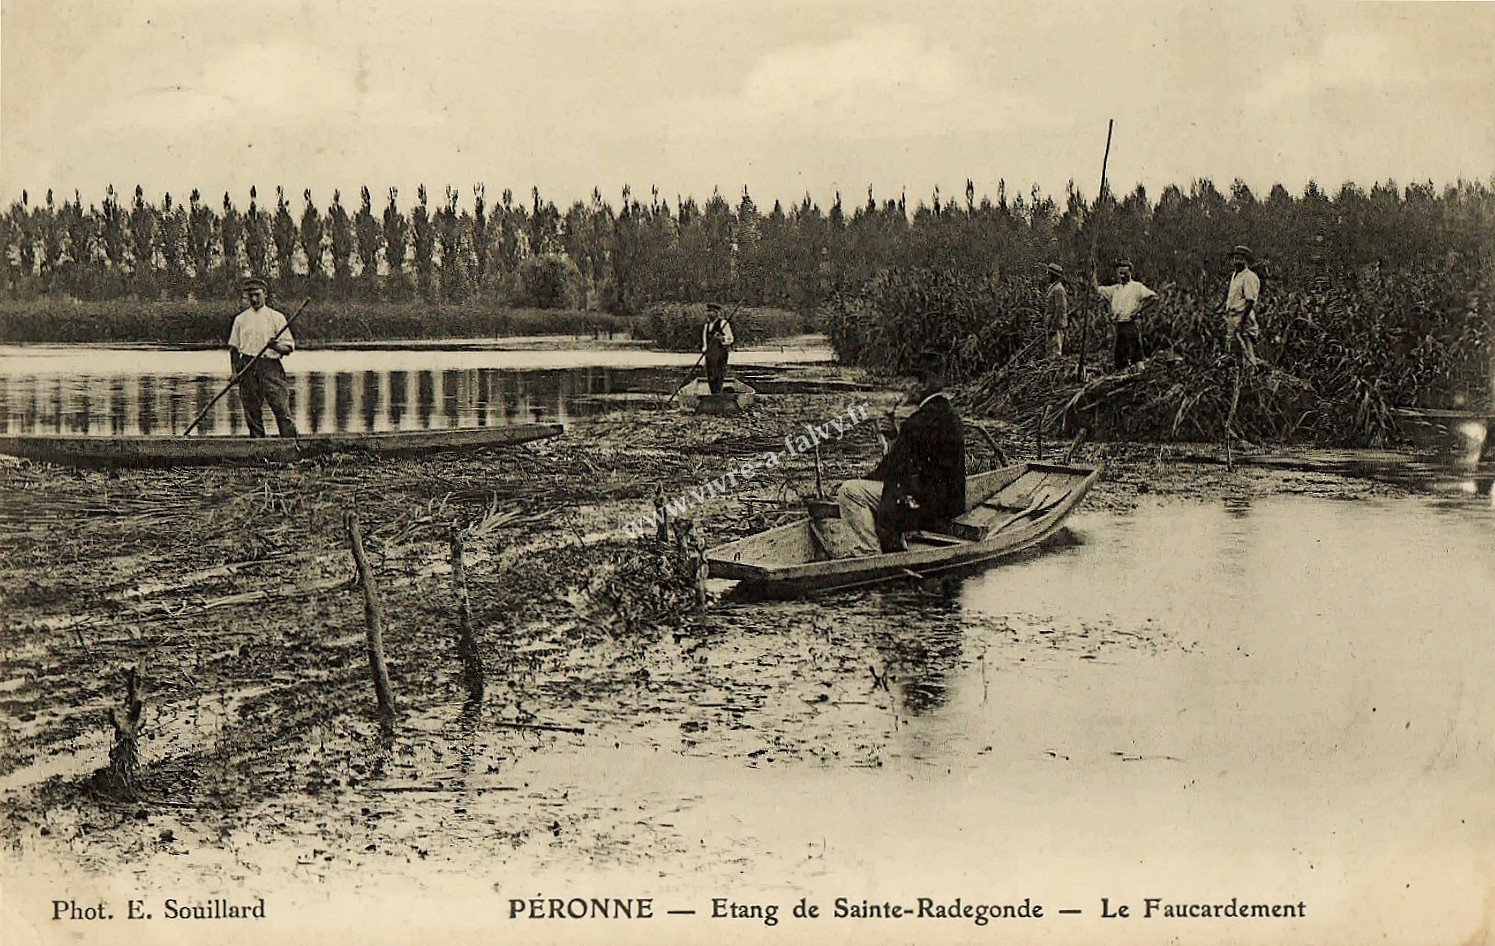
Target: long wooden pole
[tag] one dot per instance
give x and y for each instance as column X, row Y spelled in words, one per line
column 689, row 377
column 240, row 373
column 1094, row 240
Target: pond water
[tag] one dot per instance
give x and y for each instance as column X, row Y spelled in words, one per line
column 135, row 391
column 1271, row 696
column 1281, row 699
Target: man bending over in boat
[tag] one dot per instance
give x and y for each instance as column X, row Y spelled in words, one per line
column 260, row 330
column 920, row 480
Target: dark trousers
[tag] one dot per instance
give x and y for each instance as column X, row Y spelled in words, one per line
column 716, row 368
column 265, row 383
column 1128, row 344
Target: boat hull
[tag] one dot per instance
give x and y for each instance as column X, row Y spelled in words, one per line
column 207, row 451
column 736, row 396
column 788, row 561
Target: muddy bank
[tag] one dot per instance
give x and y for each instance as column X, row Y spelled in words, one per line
column 263, row 763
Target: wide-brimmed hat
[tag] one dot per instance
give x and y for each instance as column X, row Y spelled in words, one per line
column 1244, row 252
column 928, row 361
column 1056, row 269
column 253, row 282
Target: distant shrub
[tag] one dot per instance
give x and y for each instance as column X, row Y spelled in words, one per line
column 676, row 326
column 551, row 281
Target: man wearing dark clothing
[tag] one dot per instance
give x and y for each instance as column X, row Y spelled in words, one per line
column 919, row 481
column 716, row 341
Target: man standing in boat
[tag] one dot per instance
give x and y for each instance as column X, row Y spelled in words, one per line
column 716, row 342
column 921, row 478
column 261, row 330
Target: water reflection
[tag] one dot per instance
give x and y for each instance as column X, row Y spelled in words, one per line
column 922, row 654
column 342, row 401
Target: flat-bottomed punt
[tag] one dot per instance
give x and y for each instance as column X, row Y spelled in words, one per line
column 206, row 451
column 1007, row 510
column 736, row 396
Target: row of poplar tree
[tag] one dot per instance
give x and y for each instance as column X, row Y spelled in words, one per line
column 649, row 250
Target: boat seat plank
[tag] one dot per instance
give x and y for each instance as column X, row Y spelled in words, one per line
column 929, row 537
column 1021, row 493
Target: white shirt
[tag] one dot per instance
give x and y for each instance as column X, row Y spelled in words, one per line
column 1125, row 298
column 253, row 329
column 727, row 338
column 1245, row 286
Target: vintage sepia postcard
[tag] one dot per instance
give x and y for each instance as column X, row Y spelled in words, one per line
column 807, row 472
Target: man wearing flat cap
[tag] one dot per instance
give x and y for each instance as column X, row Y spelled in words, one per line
column 1241, row 298
column 1056, row 306
column 261, row 330
column 716, row 344
column 920, row 480
column 1129, row 299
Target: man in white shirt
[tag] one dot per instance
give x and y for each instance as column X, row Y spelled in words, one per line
column 261, row 330
column 716, row 342
column 1241, row 298
column 1129, row 299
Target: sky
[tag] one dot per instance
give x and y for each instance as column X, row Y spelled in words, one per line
column 784, row 98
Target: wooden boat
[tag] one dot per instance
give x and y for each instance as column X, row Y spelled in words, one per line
column 204, row 451
column 770, row 383
column 736, row 396
column 1445, row 414
column 1007, row 510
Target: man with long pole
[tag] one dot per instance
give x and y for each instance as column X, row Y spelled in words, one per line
column 716, row 344
column 260, row 338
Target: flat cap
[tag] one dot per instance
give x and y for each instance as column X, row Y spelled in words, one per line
column 253, row 282
column 1056, row 269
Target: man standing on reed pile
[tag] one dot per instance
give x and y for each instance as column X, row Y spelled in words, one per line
column 261, row 330
column 1241, row 328
column 1056, row 305
column 716, row 342
column 1129, row 299
column 919, row 481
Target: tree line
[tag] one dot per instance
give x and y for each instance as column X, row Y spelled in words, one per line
column 650, row 250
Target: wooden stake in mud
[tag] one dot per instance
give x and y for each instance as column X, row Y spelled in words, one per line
column 690, row 547
column 122, row 778
column 467, row 642
column 1074, row 445
column 373, row 613
column 1235, row 400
